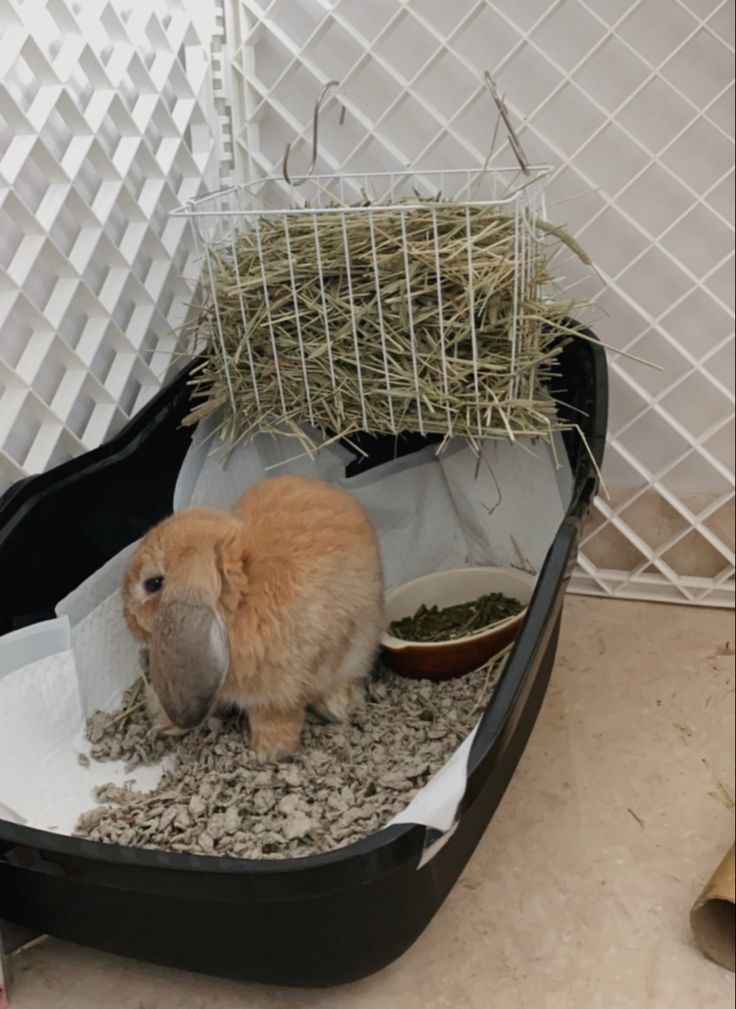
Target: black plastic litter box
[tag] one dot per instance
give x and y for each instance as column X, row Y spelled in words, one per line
column 314, row 921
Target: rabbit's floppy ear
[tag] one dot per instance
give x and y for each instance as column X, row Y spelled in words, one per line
column 232, row 562
column 189, row 658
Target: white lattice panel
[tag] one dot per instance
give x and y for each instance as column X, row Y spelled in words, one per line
column 633, row 99
column 105, row 126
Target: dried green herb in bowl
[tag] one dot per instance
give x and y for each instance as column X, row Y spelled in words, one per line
column 430, row 623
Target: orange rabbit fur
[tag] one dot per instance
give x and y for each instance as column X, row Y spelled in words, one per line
column 271, row 607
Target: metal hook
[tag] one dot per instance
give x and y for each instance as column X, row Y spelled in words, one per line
column 192, row 208
column 504, row 112
column 315, row 137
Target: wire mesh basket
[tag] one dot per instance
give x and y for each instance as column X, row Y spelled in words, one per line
column 383, row 303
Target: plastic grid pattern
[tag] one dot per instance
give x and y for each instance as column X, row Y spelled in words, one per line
column 105, row 126
column 633, row 100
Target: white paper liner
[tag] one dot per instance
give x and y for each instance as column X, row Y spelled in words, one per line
column 42, row 783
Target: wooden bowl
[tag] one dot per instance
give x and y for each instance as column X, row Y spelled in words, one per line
column 446, row 660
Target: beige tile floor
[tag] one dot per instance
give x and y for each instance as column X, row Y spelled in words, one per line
column 578, row 895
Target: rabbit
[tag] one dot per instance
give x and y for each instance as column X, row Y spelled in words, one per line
column 272, row 607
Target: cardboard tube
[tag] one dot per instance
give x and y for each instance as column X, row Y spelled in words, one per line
column 713, row 915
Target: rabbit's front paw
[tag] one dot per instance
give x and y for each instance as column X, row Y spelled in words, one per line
column 275, row 733
column 158, row 717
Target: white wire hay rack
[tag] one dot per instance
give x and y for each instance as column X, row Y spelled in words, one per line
column 378, row 302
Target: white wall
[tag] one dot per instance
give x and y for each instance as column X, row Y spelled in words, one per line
column 105, row 126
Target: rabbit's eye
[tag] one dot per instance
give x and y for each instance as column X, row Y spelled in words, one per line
column 152, row 585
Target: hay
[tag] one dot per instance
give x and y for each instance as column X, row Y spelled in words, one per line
column 302, row 302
